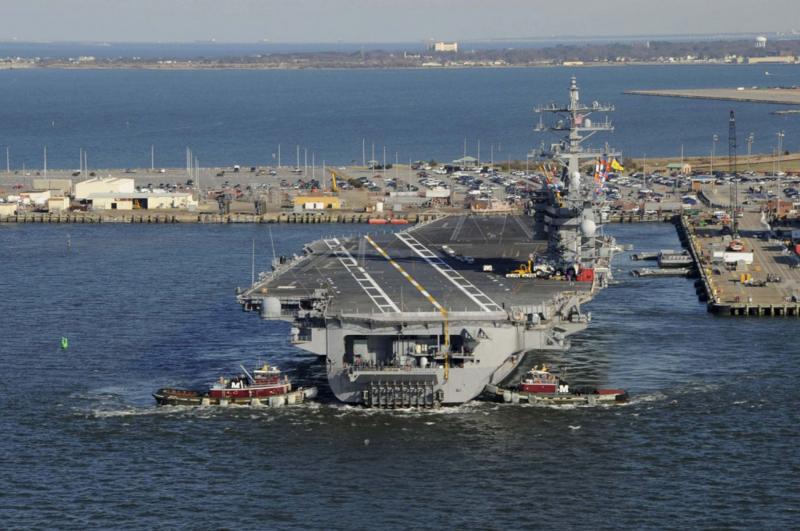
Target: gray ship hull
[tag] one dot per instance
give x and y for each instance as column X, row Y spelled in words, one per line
column 402, row 325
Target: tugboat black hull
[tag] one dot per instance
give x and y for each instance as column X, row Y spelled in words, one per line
column 185, row 397
column 178, row 397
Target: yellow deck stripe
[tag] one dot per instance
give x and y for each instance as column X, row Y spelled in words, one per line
column 413, row 282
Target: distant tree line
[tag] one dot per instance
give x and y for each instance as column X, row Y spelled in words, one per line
column 642, row 51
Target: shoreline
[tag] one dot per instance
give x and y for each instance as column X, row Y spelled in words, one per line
column 283, row 67
column 774, row 96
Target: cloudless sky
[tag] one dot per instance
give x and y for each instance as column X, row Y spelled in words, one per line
column 382, row 20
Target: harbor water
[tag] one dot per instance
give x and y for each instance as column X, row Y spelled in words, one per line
column 240, row 117
column 709, row 438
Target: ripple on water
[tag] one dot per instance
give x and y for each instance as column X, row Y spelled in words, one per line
column 698, row 425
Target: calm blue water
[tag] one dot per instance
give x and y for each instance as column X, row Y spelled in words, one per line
column 231, row 117
column 709, row 439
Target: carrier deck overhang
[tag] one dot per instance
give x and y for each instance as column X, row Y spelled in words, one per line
column 369, row 303
column 395, row 276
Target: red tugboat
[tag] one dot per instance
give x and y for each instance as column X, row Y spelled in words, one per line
column 265, row 387
column 540, row 386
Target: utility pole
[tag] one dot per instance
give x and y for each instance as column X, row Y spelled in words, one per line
column 364, row 152
column 152, row 158
column 8, row 159
column 714, row 140
column 197, row 179
column 780, row 149
column 681, row 159
column 279, row 156
column 45, row 162
column 734, row 193
column 750, row 139
column 644, row 168
column 732, row 144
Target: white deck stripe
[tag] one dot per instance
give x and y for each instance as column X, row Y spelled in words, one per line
column 468, row 288
column 364, row 279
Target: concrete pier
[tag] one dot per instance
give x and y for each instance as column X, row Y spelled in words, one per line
column 723, row 290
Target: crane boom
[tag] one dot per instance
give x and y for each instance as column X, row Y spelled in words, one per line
column 334, row 186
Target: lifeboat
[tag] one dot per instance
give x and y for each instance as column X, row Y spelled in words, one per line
column 264, row 386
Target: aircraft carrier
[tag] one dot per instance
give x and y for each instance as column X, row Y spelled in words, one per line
column 429, row 315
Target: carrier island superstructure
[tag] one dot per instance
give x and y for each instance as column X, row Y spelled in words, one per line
column 428, row 315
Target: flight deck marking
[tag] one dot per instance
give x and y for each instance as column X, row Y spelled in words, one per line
column 408, row 277
column 524, row 228
column 468, row 288
column 360, row 275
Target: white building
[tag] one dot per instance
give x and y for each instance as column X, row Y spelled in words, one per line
column 58, row 204
column 450, row 47
column 103, row 185
column 773, row 59
column 143, row 201
column 761, row 42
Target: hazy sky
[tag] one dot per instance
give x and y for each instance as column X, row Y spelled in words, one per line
column 381, row 20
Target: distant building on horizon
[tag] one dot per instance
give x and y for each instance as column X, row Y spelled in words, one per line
column 446, row 47
column 761, row 42
column 773, row 59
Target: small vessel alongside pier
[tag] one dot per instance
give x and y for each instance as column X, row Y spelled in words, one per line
column 669, row 272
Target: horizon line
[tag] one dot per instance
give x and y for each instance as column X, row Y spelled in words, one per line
column 488, row 40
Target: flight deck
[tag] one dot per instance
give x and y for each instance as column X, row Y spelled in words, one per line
column 409, row 272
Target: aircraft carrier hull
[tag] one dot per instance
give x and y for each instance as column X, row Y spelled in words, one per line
column 412, row 319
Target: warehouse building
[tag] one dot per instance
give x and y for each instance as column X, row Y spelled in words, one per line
column 143, row 201
column 316, row 202
column 58, row 204
column 103, row 185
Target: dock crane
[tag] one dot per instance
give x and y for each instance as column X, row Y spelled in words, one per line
column 334, row 186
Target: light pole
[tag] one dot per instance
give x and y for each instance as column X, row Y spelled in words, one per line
column 780, row 149
column 750, row 139
column 714, row 140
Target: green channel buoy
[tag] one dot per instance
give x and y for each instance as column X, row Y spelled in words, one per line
column 64, row 343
